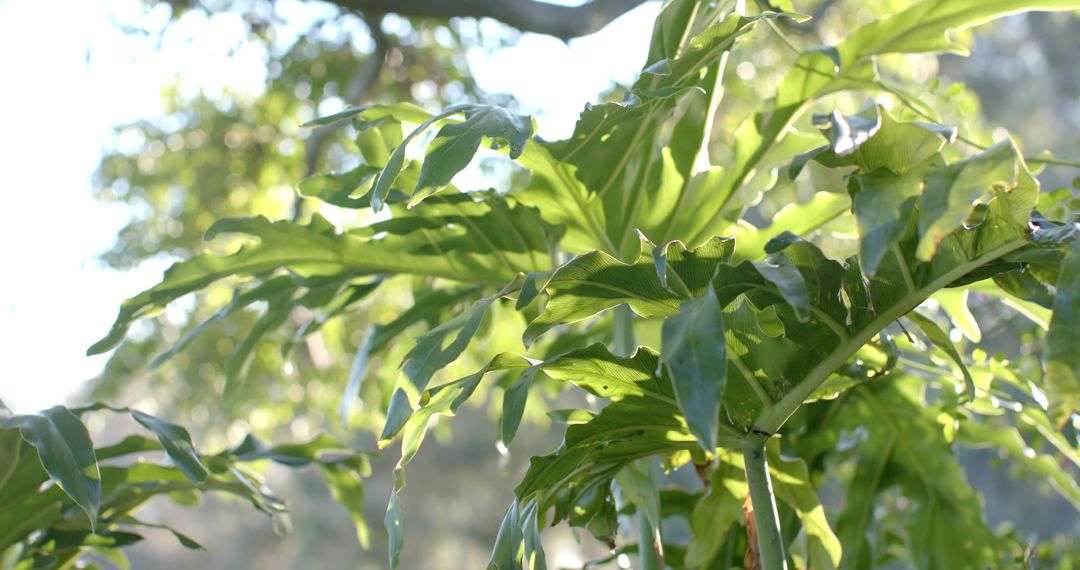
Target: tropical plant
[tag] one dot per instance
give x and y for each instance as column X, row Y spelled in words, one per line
column 821, row 348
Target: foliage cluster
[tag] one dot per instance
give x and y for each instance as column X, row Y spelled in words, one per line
column 831, row 345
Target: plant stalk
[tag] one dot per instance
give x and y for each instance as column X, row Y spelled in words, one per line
column 766, row 520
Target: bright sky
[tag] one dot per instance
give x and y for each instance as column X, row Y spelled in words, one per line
column 67, row 84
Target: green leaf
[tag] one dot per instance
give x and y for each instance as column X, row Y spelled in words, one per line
column 904, row 445
column 401, row 111
column 533, row 555
column 397, row 414
column 445, row 400
column 639, row 489
column 392, row 169
column 631, row 182
column 458, row 237
column 347, row 488
column 848, row 133
column 507, row 552
column 955, row 304
column 395, row 529
column 513, row 404
column 715, row 514
column 792, row 485
column 356, row 376
column 940, row 339
column 951, row 192
column 695, row 355
column 265, row 291
column 432, row 352
column 924, row 27
column 177, row 443
column 1062, row 361
column 799, row 219
column 338, row 189
column 456, row 143
column 66, row 453
column 596, row 281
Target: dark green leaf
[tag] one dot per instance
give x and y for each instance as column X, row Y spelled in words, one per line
column 395, row 529
column 695, row 354
column 941, row 339
column 177, row 443
column 66, row 453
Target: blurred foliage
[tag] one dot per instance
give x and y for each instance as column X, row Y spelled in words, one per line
column 62, row 507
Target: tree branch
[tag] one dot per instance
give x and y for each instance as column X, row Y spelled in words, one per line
column 563, row 22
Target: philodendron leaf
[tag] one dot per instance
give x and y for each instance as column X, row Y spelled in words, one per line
column 873, row 140
column 951, row 192
column 432, row 352
column 507, row 553
column 792, row 484
column 596, row 281
column 66, row 453
column 177, row 443
column 1062, row 361
column 396, row 162
column 695, row 354
column 456, row 143
column 478, row 239
column 883, row 207
column 925, row 26
column 941, row 339
column 339, row 189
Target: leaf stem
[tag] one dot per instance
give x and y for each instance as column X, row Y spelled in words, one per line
column 766, row 522
column 772, row 419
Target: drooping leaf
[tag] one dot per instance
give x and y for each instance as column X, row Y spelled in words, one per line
column 940, row 339
column 339, row 189
column 925, row 26
column 177, row 443
column 395, row 528
column 396, row 416
column 513, row 404
column 432, row 351
column 695, row 354
column 66, row 453
column 456, row 143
